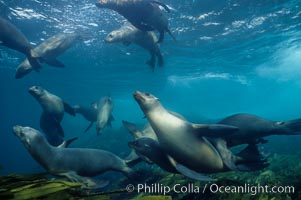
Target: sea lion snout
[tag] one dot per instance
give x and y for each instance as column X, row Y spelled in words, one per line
column 17, row 130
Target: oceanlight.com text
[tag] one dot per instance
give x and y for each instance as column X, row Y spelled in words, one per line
column 191, row 188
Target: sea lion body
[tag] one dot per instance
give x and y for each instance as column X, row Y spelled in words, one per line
column 104, row 115
column 145, row 15
column 13, row 38
column 146, row 39
column 253, row 128
column 50, row 49
column 53, row 113
column 58, row 161
column 89, row 113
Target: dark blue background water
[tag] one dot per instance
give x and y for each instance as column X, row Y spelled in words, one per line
column 230, row 57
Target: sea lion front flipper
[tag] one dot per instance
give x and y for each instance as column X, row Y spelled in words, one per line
column 213, row 130
column 69, row 109
column 66, row 143
column 90, row 125
column 55, row 63
column 161, row 4
column 59, row 128
column 188, row 172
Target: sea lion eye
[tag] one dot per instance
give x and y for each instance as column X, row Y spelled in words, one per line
column 147, row 94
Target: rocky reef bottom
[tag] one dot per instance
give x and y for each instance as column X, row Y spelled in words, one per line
column 280, row 180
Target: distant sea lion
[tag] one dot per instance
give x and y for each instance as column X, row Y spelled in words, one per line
column 128, row 34
column 52, row 115
column 75, row 163
column 185, row 144
column 12, row 37
column 252, row 128
column 145, row 15
column 89, row 113
column 104, row 115
column 50, row 49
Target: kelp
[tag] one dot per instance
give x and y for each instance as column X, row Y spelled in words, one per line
column 284, row 170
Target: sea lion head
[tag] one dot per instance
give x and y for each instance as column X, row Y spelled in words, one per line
column 146, row 101
column 36, row 91
column 106, row 101
column 142, row 145
column 23, row 69
column 27, row 135
column 114, row 36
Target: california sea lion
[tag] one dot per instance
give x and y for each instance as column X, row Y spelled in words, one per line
column 13, row 38
column 75, row 163
column 252, row 128
column 128, row 34
column 52, row 115
column 89, row 113
column 104, row 115
column 145, row 15
column 185, row 143
column 50, row 49
column 151, row 152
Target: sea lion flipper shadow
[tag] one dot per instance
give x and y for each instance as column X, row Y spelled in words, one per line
column 88, row 183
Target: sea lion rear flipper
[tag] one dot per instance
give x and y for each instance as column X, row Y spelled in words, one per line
column 213, row 130
column 251, row 158
column 227, row 156
column 161, row 4
column 188, row 172
column 160, row 59
column 55, row 63
column 161, row 37
column 90, row 125
column 152, row 62
column 69, row 109
column 132, row 129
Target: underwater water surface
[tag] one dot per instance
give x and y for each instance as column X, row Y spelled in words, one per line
column 231, row 56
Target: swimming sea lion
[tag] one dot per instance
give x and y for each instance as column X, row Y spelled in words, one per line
column 74, row 163
column 128, row 34
column 12, row 37
column 252, row 128
column 53, row 113
column 145, row 15
column 151, row 152
column 89, row 113
column 104, row 115
column 185, row 143
column 50, row 49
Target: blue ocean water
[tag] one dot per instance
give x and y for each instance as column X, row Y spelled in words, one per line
column 231, row 56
